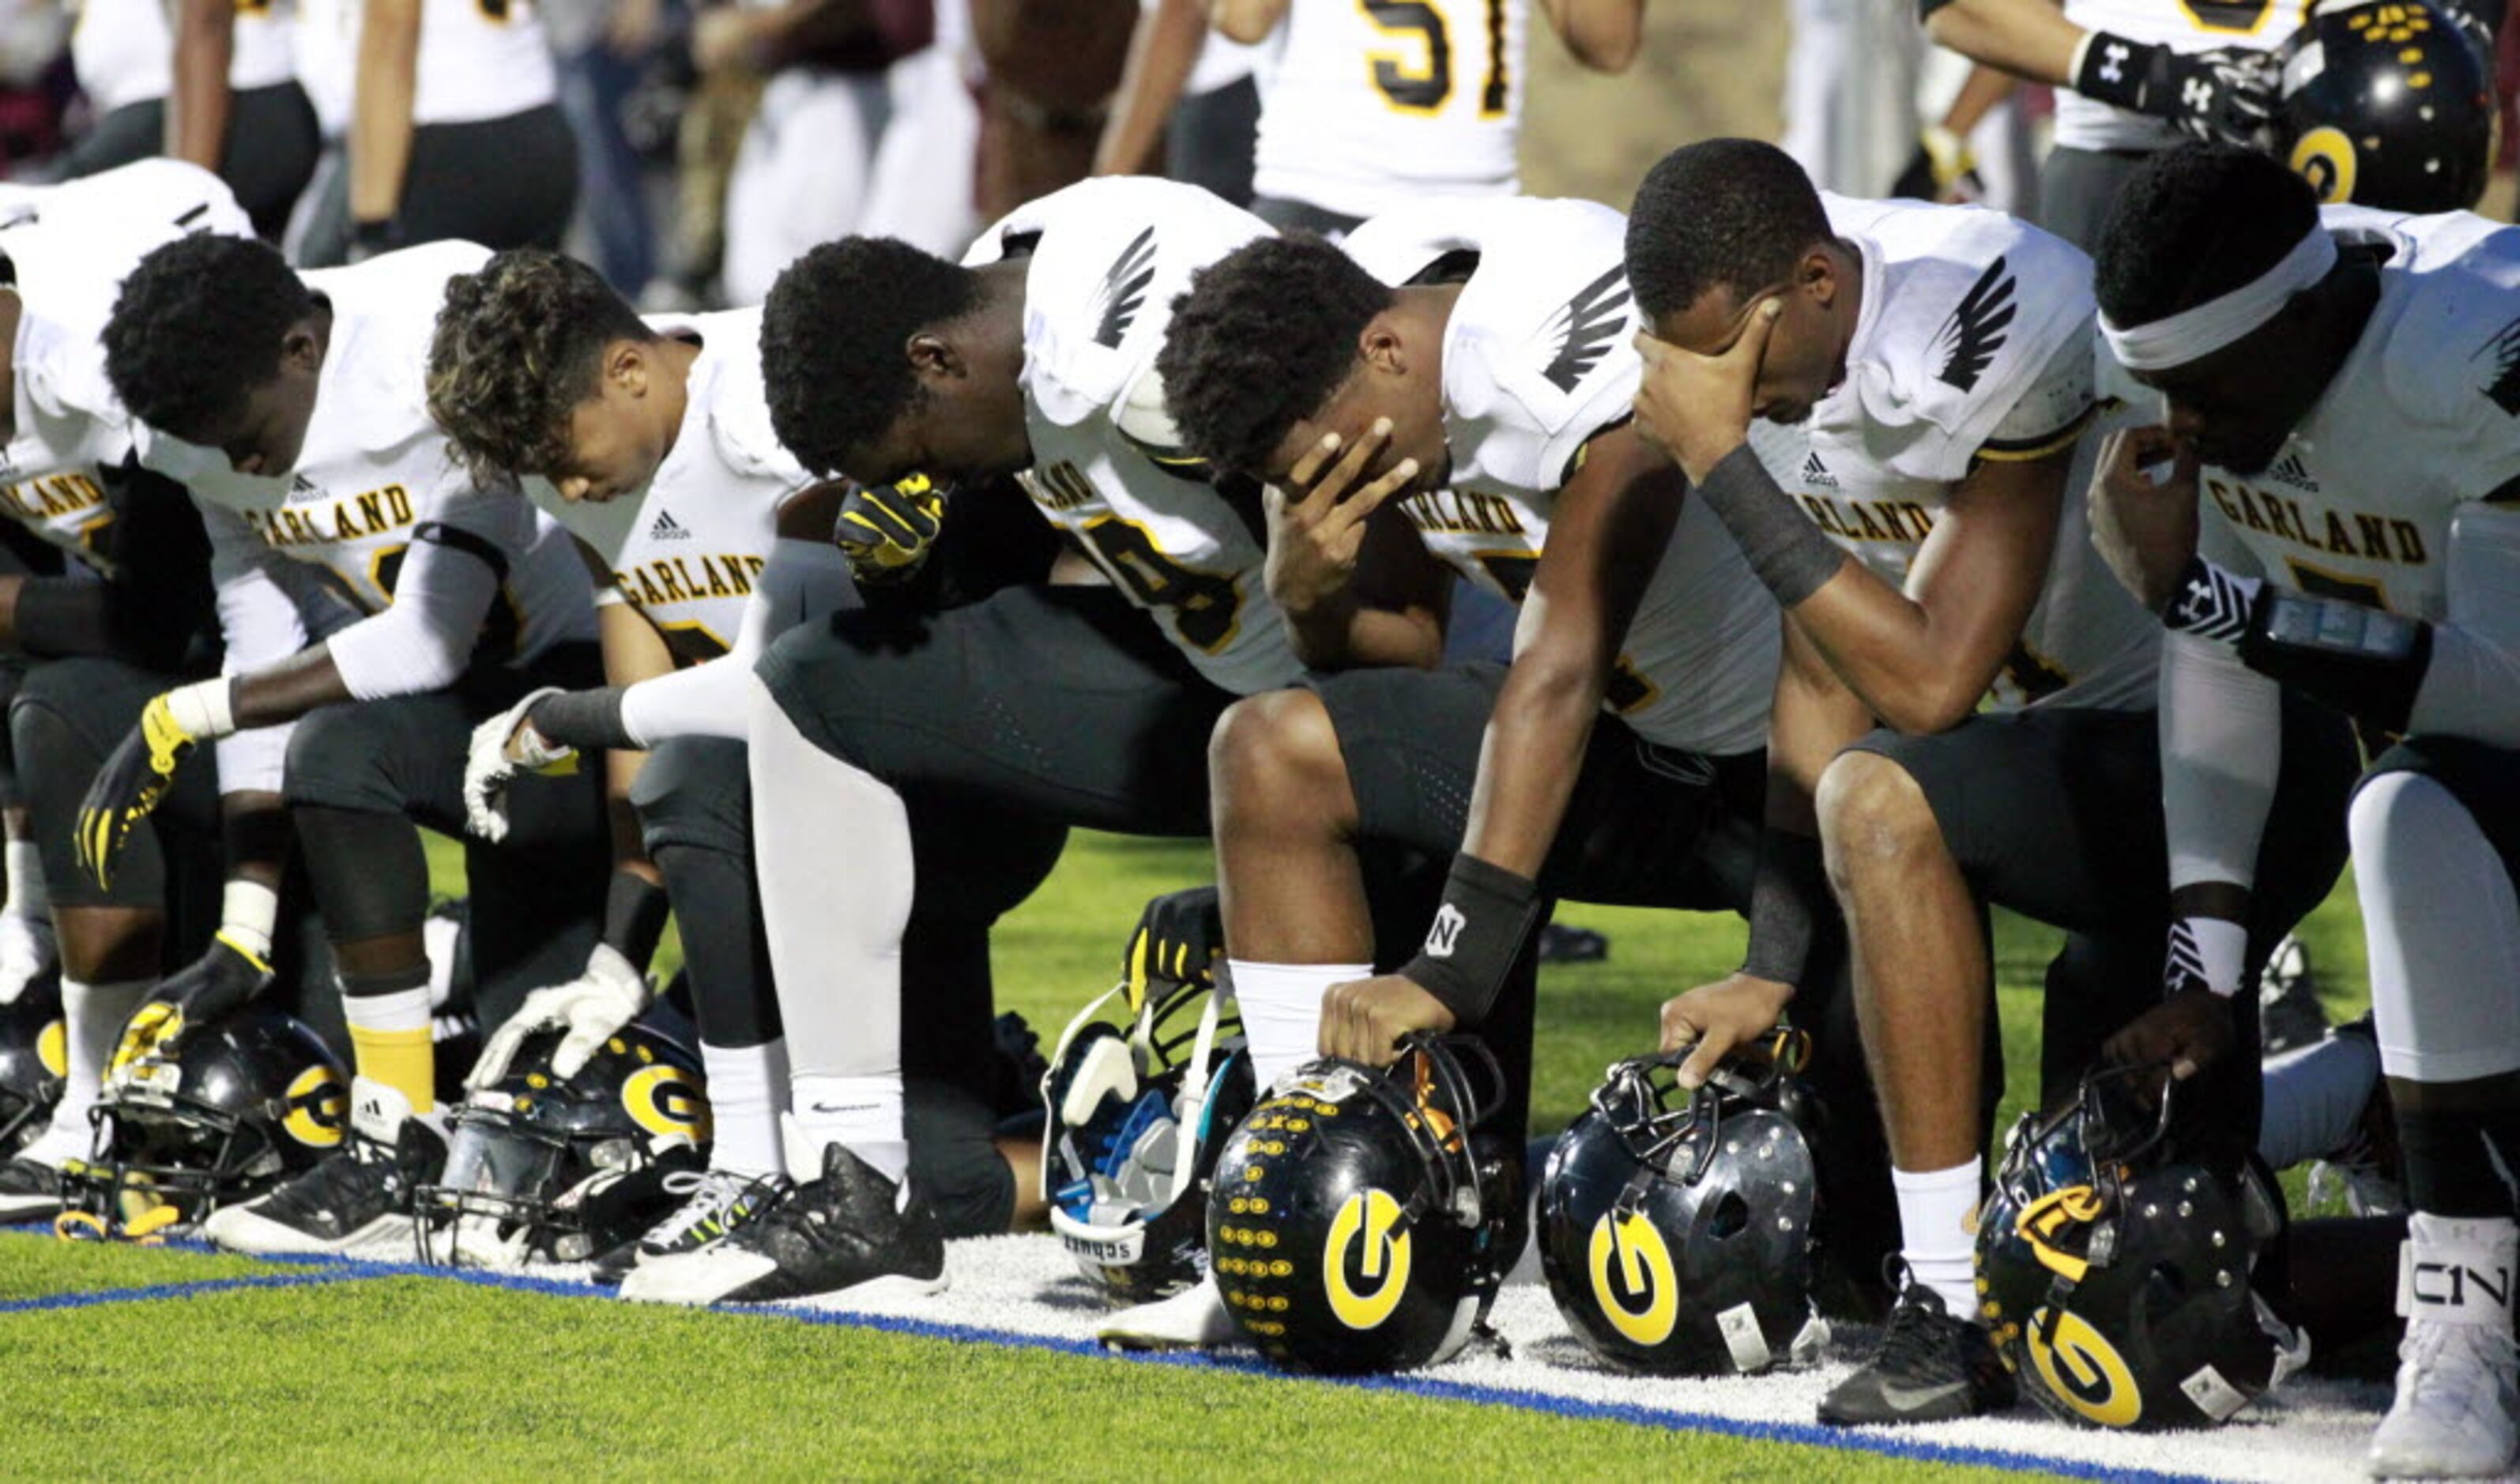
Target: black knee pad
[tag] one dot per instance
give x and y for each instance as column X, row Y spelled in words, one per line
column 954, row 1159
column 695, row 791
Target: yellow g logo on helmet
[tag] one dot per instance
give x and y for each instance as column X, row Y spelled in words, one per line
column 1642, row 1270
column 1367, row 1217
column 667, row 1102
column 2324, row 156
column 2084, row 1371
column 319, row 1107
column 53, row 1048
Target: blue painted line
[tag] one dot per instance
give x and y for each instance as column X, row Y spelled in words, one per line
column 156, row 1291
column 1847, row 1440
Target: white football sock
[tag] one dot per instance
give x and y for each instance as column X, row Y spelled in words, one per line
column 26, row 895
column 96, row 1014
column 1938, row 1231
column 1282, row 1011
column 748, row 1088
column 863, row 1113
column 2314, row 1098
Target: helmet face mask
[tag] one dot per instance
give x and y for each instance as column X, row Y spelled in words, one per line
column 2389, row 103
column 244, row 1104
column 2114, row 1272
column 1359, row 1220
column 540, row 1168
column 1677, row 1229
column 1136, row 1116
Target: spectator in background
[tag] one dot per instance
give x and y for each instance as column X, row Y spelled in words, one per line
column 1052, row 68
column 1189, row 106
column 602, row 49
column 218, row 89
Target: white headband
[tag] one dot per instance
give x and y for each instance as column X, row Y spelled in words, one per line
column 2191, row 335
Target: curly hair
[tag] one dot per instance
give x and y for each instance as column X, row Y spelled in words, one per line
column 198, row 326
column 519, row 345
column 832, row 337
column 1242, row 366
column 2196, row 222
column 1721, row 213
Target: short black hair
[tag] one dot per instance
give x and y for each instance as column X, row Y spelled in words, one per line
column 1264, row 337
column 519, row 345
column 1721, row 213
column 832, row 337
column 2194, row 223
column 198, row 326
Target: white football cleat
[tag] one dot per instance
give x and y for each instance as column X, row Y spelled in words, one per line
column 2457, row 1409
column 1194, row 1319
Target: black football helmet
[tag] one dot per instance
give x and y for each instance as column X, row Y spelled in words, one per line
column 1358, row 1219
column 2390, row 104
column 252, row 1099
column 1136, row 1117
column 1675, row 1228
column 2114, row 1274
column 34, row 1058
column 542, row 1168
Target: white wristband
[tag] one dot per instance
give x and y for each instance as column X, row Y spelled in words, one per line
column 2210, row 950
column 204, row 709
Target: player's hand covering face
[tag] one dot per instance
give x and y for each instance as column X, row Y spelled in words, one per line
column 1364, row 1020
column 1697, row 408
column 886, row 530
column 2143, row 510
column 1318, row 511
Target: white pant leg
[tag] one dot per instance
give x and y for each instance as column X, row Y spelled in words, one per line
column 2444, row 929
column 801, row 176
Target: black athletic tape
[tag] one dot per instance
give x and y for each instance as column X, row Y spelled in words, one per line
column 586, row 720
column 633, row 918
column 457, row 538
column 2366, row 662
column 1783, row 545
column 1789, row 901
column 1487, row 915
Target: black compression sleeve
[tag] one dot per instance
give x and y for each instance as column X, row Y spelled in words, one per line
column 1788, row 904
column 633, row 918
column 584, row 719
column 1784, row 547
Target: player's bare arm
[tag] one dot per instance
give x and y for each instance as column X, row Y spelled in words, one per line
column 1247, row 20
column 380, row 118
column 196, row 109
column 1603, row 35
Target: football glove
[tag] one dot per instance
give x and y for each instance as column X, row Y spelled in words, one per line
column 199, row 994
column 593, row 1008
column 135, row 778
column 1943, row 170
column 2224, row 96
column 1178, row 938
column 885, row 530
column 503, row 747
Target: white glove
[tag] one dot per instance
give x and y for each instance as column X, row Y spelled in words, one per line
column 488, row 767
column 594, row 1007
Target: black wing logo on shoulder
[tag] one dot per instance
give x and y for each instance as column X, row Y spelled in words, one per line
column 1585, row 327
column 1969, row 341
column 1124, row 290
column 2505, row 348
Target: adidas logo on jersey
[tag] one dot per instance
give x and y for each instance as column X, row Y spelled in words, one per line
column 2289, row 470
column 1970, row 337
column 667, row 528
column 1584, row 327
column 1816, row 474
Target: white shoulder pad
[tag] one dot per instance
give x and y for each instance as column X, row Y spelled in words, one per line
column 384, row 313
column 1971, row 307
column 2450, row 306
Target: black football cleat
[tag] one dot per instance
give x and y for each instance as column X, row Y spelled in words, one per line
column 848, row 1233
column 1931, row 1367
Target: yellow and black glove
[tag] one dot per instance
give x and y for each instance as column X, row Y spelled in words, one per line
column 1177, row 942
column 885, row 530
column 135, row 778
column 199, row 994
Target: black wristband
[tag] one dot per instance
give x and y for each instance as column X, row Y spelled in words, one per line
column 1487, row 914
column 59, row 618
column 1781, row 544
column 583, row 719
column 2117, row 71
column 371, row 238
column 633, row 918
column 1788, row 902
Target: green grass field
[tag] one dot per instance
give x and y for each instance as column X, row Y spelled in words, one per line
column 331, row 1375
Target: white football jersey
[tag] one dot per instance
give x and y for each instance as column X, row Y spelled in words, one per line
column 375, row 467
column 479, row 59
column 2422, row 418
column 1972, row 341
column 685, row 551
column 2182, row 25
column 124, row 50
column 1368, row 106
column 1107, row 259
column 69, row 246
column 1538, row 359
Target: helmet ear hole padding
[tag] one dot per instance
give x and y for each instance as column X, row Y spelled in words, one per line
column 1731, row 1217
